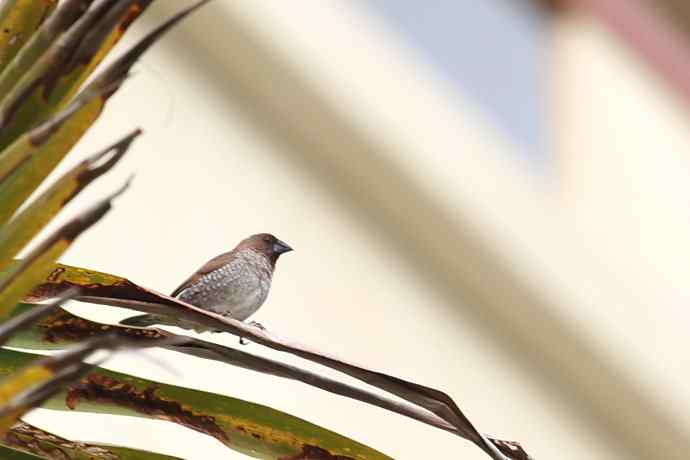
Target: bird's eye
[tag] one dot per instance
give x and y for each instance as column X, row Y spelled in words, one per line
column 267, row 239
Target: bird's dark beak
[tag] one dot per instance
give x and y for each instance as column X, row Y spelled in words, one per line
column 280, row 247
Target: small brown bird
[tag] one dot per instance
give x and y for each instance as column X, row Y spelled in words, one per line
column 233, row 284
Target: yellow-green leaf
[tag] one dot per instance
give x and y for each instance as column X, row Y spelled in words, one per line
column 56, row 329
column 63, row 131
column 7, row 453
column 32, row 157
column 57, row 74
column 23, row 227
column 23, row 277
column 116, row 291
column 29, row 386
column 21, row 380
column 56, row 24
column 18, row 21
column 253, row 429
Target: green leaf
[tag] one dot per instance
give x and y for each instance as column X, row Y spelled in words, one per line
column 253, row 429
column 58, row 329
column 30, row 386
column 32, row 157
column 33, row 440
column 117, row 291
column 23, row 227
column 24, row 276
column 57, row 23
column 18, row 21
column 7, row 453
column 56, row 76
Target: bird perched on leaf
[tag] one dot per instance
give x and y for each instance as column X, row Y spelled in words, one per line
column 233, row 284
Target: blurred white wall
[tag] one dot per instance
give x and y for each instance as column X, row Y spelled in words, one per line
column 421, row 249
column 625, row 177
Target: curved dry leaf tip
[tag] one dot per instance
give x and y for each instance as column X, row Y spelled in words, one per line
column 106, row 158
column 124, row 63
column 90, row 216
column 122, row 189
column 109, row 86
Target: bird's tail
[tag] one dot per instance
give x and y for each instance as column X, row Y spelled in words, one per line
column 141, row 320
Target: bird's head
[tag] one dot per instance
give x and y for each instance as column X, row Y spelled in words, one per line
column 266, row 244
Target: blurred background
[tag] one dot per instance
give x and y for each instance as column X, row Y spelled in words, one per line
column 490, row 198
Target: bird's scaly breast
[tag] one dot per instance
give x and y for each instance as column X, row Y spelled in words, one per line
column 237, row 289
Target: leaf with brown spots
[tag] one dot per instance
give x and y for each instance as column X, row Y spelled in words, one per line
column 31, row 156
column 30, row 385
column 33, row 383
column 54, row 26
column 18, row 21
column 31, row 220
column 19, row 280
column 60, row 328
column 53, row 79
column 117, row 291
column 245, row 427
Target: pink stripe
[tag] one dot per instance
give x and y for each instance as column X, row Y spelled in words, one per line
column 665, row 47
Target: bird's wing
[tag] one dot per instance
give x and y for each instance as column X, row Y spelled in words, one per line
column 208, row 267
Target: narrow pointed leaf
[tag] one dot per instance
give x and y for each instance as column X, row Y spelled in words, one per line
column 112, row 290
column 97, row 45
column 23, row 277
column 45, row 89
column 30, row 386
column 59, row 329
column 56, row 76
column 23, row 227
column 56, row 24
column 18, row 21
column 32, row 157
column 253, row 429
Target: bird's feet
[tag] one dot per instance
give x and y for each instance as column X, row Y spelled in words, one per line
column 254, row 324
column 257, row 325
